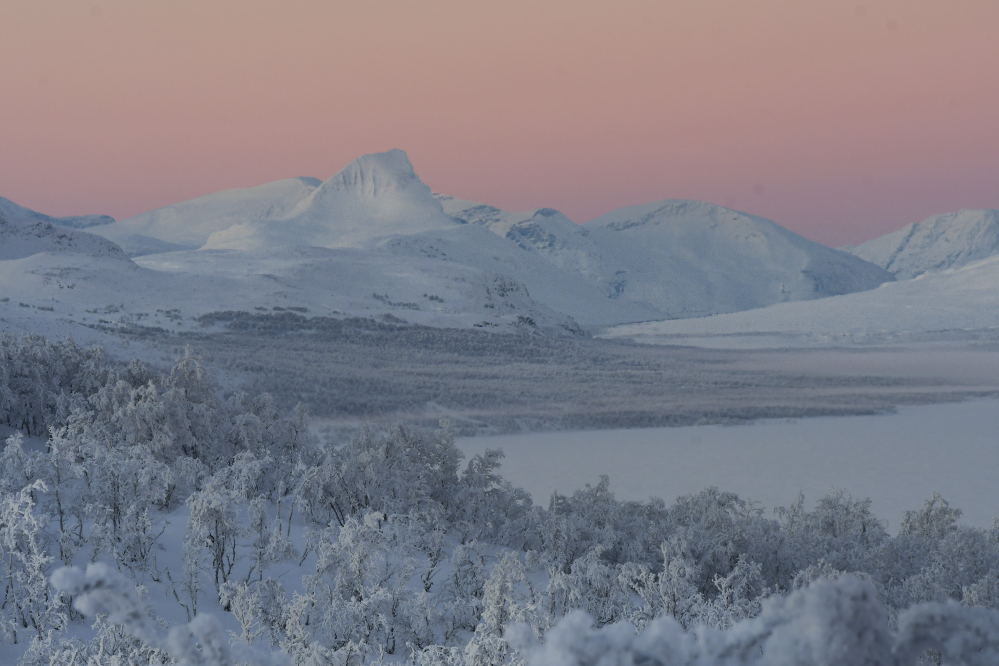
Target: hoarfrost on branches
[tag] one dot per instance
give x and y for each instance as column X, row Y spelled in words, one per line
column 386, row 549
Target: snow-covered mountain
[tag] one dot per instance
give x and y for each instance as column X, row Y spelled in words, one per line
column 692, row 258
column 373, row 240
column 15, row 213
column 56, row 280
column 956, row 305
column 24, row 233
column 188, row 225
column 935, row 244
column 681, row 258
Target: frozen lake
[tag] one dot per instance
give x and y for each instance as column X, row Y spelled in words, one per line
column 898, row 460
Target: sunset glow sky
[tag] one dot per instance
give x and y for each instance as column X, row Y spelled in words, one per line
column 839, row 120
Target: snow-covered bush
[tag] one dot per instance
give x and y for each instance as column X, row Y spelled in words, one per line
column 102, row 591
column 830, row 622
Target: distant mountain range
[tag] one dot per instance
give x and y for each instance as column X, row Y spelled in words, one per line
column 374, row 241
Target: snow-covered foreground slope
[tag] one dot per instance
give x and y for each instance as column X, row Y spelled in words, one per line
column 955, row 305
column 894, row 459
column 217, row 523
column 935, row 244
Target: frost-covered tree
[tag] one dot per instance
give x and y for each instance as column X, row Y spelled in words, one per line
column 202, row 642
column 28, row 603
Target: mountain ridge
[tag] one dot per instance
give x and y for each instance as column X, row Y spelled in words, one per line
column 374, row 239
column 937, row 243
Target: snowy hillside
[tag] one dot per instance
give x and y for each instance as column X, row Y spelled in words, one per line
column 14, row 213
column 955, row 305
column 188, row 225
column 27, row 235
column 691, row 258
column 680, row 258
column 57, row 281
column 935, row 244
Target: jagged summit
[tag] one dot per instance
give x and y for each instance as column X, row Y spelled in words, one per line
column 935, row 244
column 377, row 174
column 374, row 197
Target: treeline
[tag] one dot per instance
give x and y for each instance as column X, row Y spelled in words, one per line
column 357, row 370
column 389, row 548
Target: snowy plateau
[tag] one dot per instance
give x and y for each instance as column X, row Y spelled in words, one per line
column 265, row 427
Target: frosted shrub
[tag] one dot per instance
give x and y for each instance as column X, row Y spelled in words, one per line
column 123, row 486
column 397, row 471
column 360, row 587
column 28, row 603
column 202, row 642
column 739, row 597
column 409, row 558
column 41, row 381
column 592, row 586
column 487, row 507
column 214, row 526
column 17, row 467
column 671, row 592
column 509, row 597
column 269, row 545
column 827, row 623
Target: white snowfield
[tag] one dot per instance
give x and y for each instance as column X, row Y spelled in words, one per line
column 957, row 305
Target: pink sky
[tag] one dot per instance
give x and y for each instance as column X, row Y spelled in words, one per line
column 839, row 120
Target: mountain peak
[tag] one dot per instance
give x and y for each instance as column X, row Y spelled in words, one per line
column 937, row 243
column 377, row 174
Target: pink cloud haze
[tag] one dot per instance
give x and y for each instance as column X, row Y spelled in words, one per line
column 839, row 120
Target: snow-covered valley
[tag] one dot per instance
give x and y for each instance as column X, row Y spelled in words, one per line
column 351, row 528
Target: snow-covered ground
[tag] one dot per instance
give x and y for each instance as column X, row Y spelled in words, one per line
column 898, row 460
column 957, row 305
